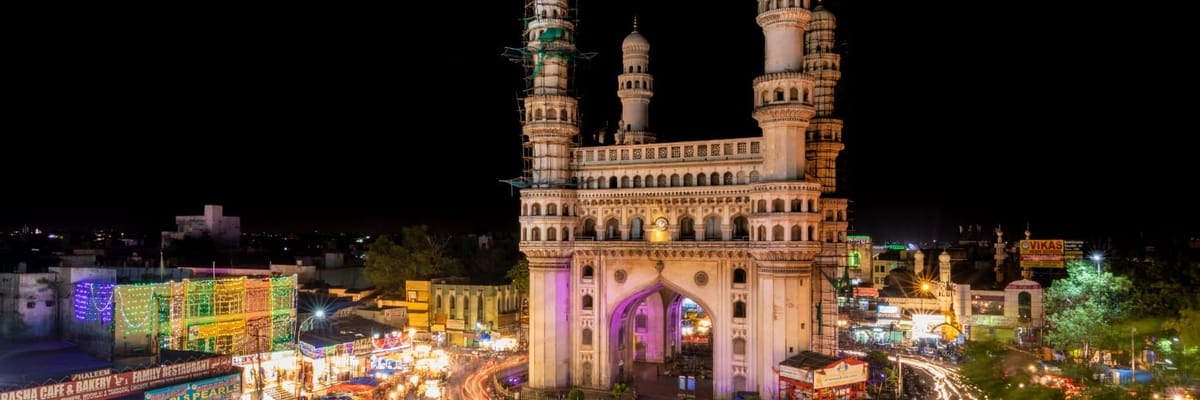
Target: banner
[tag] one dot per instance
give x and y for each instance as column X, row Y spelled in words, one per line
column 866, row 292
column 125, row 383
column 1042, row 253
column 228, row 387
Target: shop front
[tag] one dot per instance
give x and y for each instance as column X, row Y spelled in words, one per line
column 815, row 376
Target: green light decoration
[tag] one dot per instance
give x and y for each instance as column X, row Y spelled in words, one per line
column 855, row 258
column 137, row 309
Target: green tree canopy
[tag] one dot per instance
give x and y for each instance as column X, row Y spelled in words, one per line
column 1001, row 373
column 419, row 255
column 1080, row 307
column 520, row 276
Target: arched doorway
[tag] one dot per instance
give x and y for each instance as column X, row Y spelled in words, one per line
column 659, row 336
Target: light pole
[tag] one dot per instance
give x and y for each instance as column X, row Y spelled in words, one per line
column 318, row 314
column 1132, row 355
column 1097, row 258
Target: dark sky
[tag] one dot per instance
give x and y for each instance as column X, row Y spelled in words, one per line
column 338, row 118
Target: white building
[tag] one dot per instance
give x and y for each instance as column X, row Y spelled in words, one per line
column 618, row 235
column 225, row 230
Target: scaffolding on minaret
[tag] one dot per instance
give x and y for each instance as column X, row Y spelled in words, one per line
column 548, row 44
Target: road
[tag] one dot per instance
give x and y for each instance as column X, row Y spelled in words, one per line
column 948, row 383
column 475, row 385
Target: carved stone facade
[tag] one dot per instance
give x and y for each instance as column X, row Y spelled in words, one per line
column 618, row 235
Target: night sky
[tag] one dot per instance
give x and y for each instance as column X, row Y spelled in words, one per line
column 364, row 119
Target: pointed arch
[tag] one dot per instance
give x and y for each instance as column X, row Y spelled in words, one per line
column 551, row 209
column 754, row 177
column 777, row 233
column 741, row 228
column 635, row 229
column 688, row 180
column 536, row 234
column 796, row 233
column 551, row 234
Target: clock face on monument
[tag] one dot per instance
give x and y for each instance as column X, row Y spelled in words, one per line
column 661, row 223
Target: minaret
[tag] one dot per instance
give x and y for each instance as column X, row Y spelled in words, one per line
column 795, row 307
column 825, row 131
column 635, row 88
column 548, row 203
column 944, row 267
column 783, row 93
column 999, row 256
column 918, row 263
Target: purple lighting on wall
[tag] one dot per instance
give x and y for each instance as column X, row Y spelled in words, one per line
column 94, row 302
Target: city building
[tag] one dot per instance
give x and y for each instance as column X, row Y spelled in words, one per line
column 744, row 227
column 225, row 230
column 469, row 314
column 28, row 305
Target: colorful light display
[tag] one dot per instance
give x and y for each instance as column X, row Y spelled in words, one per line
column 94, row 302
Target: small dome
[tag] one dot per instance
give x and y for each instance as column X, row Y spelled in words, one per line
column 635, row 41
column 944, row 257
column 821, row 14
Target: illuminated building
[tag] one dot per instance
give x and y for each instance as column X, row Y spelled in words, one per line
column 745, row 227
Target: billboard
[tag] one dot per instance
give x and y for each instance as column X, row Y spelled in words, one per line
column 226, row 387
column 123, row 384
column 866, row 292
column 1042, row 253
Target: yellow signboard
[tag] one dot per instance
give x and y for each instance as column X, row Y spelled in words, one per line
column 840, row 374
column 1042, row 253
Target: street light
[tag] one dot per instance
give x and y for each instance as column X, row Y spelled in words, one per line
column 318, row 314
column 1097, row 258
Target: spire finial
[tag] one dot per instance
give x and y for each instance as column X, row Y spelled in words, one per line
column 635, row 22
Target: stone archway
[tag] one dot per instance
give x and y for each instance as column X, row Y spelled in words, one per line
column 659, row 300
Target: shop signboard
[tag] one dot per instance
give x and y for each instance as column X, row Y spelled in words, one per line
column 125, row 383
column 841, row 373
column 226, row 387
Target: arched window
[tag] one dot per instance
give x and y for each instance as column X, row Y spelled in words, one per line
column 739, row 309
column 739, row 275
column 551, row 209
column 812, row 205
column 566, row 210
column 714, row 179
column 537, row 209
column 587, row 302
column 712, row 228
column 612, row 182
column 778, row 94
column 793, row 94
column 728, row 179
column 796, row 233
column 537, row 115
column 812, row 233
column 591, row 182
column 537, row 234
column 439, row 302
column 551, row 234
column 761, row 206
column 635, row 228
column 612, row 230
column 762, row 233
column 687, row 229
column 701, row 179
column 754, row 177
column 589, row 228
column 524, row 234
column 777, row 205
column 551, row 114
column 741, row 228
column 637, row 181
column 452, row 306
column 566, row 234
column 562, row 115
column 625, row 182
column 739, row 347
column 764, row 97
column 662, row 181
column 675, row 180
column 796, row 204
column 588, row 272
column 637, row 84
column 524, row 209
column 688, row 180
column 741, row 178
column 645, row 84
column 777, row 233
column 1024, row 306
column 629, row 84
column 586, row 340
column 649, row 181
column 479, row 308
column 841, row 215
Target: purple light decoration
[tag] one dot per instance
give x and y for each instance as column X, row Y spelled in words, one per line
column 94, row 302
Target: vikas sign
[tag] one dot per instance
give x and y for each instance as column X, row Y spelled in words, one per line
column 1042, row 254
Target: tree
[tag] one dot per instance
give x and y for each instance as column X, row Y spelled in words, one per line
column 575, row 394
column 619, row 389
column 520, row 276
column 1001, row 373
column 1081, row 307
column 419, row 255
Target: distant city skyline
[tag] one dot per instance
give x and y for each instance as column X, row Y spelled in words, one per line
column 985, row 118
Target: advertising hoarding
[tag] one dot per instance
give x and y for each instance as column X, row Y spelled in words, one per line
column 1042, row 253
